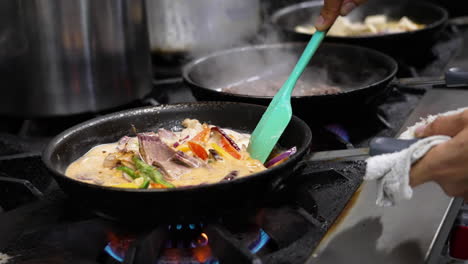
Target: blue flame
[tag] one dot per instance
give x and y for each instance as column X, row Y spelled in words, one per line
column 111, row 252
column 255, row 247
column 263, row 238
column 339, row 131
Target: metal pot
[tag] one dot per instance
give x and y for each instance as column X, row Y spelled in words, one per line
column 187, row 26
column 76, row 56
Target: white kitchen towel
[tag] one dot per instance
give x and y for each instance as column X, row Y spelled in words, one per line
column 392, row 170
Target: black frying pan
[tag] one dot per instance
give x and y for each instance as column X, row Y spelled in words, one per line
column 399, row 44
column 362, row 73
column 181, row 203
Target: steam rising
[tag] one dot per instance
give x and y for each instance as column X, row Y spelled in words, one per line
column 346, row 68
column 4, row 258
column 200, row 26
column 341, row 66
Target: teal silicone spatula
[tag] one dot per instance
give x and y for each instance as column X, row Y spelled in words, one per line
column 278, row 114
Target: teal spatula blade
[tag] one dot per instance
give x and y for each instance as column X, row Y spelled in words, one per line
column 278, row 114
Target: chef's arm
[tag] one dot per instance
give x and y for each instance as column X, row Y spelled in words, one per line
column 447, row 163
column 332, row 9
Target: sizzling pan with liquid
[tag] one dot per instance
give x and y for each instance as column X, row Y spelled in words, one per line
column 181, row 204
column 362, row 74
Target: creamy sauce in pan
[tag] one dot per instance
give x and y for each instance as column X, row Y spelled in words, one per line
column 90, row 167
column 217, row 171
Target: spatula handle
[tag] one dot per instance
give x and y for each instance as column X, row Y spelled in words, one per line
column 302, row 63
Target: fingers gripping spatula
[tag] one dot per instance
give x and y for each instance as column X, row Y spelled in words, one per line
column 278, row 114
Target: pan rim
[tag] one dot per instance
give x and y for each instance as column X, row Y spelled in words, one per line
column 47, row 153
column 188, row 68
column 285, row 10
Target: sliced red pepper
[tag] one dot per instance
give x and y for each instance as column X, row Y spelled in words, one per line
column 229, row 148
column 157, row 186
column 198, row 150
column 203, row 135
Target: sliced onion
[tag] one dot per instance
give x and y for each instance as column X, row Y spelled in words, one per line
column 288, row 153
column 110, row 161
column 122, row 144
column 231, row 141
column 215, row 154
column 128, row 178
column 181, row 141
column 231, row 176
column 187, row 160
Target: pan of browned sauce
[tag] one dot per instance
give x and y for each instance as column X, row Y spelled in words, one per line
column 339, row 79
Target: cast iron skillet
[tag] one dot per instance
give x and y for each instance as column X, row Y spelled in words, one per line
column 181, row 204
column 362, row 73
column 407, row 43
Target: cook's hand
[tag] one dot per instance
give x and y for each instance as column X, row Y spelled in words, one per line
column 447, row 163
column 332, row 9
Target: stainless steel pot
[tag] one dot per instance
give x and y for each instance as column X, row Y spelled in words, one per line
column 75, row 56
column 188, row 26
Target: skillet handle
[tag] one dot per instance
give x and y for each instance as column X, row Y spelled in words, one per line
column 378, row 145
column 453, row 78
column 456, row 77
column 384, row 145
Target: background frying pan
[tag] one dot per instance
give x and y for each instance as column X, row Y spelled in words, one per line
column 362, row 73
column 407, row 44
column 181, row 204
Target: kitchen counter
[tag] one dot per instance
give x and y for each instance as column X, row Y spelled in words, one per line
column 412, row 232
column 404, row 234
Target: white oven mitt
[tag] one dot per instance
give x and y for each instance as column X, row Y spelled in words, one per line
column 392, row 170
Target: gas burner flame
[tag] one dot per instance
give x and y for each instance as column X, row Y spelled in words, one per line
column 201, row 251
column 118, row 246
column 339, row 131
column 262, row 240
column 201, row 241
column 113, row 254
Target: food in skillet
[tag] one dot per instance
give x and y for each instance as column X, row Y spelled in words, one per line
column 376, row 24
column 269, row 87
column 198, row 154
